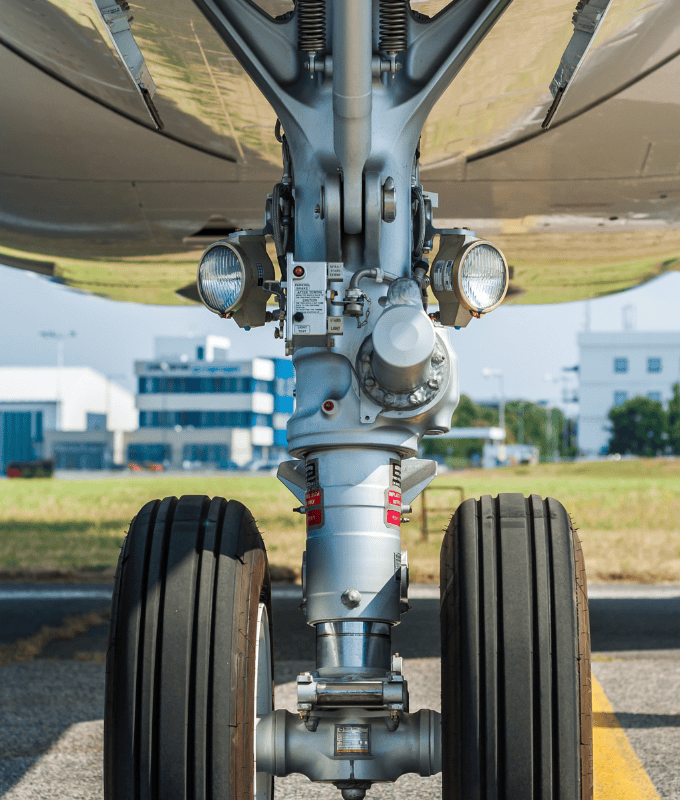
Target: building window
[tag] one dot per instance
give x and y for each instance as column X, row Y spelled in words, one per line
column 199, row 353
column 203, row 419
column 653, row 365
column 206, row 453
column 655, row 396
column 620, row 398
column 150, row 452
column 96, row 422
column 620, row 365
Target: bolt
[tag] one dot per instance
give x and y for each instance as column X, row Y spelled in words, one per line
column 298, row 316
column 370, row 382
column 433, row 383
column 329, row 406
column 365, row 358
column 413, row 399
column 351, row 598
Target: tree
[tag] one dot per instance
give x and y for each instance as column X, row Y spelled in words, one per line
column 674, row 420
column 639, row 427
column 466, row 415
column 525, row 423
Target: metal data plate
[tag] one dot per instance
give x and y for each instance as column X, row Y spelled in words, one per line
column 352, row 740
column 307, row 304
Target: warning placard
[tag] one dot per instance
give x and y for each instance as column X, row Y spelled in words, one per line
column 314, row 508
column 393, row 507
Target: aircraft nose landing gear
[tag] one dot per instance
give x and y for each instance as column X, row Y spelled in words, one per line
column 190, row 711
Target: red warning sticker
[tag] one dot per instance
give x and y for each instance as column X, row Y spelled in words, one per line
column 394, row 498
column 313, row 498
column 392, row 507
column 314, row 518
column 314, row 506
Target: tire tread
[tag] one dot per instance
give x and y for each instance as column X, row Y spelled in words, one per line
column 515, row 671
column 178, row 720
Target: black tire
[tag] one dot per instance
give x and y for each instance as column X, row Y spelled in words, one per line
column 189, row 603
column 516, row 699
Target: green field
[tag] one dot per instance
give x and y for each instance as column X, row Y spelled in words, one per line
column 627, row 514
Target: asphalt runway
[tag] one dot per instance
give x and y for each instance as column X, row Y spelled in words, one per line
column 51, row 707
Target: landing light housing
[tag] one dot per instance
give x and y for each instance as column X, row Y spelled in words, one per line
column 469, row 277
column 231, row 277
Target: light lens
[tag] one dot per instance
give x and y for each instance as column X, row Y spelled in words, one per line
column 483, row 277
column 220, row 278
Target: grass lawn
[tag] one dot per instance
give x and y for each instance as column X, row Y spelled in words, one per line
column 627, row 514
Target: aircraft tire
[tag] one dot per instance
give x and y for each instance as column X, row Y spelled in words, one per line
column 516, row 691
column 189, row 666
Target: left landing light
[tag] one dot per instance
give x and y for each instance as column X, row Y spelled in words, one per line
column 231, row 278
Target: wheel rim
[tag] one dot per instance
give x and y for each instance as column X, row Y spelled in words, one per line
column 263, row 782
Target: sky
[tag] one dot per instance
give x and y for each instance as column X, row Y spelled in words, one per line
column 528, row 343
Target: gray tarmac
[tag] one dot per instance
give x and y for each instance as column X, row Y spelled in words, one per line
column 51, row 708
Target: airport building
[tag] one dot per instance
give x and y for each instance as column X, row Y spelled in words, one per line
column 615, row 367
column 72, row 415
column 198, row 409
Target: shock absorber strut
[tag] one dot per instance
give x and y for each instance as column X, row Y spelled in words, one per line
column 393, row 29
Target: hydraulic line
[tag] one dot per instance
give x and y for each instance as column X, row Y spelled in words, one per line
column 419, row 214
column 311, row 26
column 393, row 26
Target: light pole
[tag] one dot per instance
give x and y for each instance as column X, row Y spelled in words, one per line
column 551, row 430
column 498, row 373
column 60, row 339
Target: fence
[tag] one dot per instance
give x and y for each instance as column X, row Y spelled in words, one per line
column 442, row 515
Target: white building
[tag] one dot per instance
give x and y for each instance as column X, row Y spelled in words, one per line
column 615, row 367
column 196, row 408
column 73, row 415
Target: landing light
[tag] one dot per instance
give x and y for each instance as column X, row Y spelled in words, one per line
column 469, row 278
column 230, row 279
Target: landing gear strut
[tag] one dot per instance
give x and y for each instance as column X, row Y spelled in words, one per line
column 189, row 710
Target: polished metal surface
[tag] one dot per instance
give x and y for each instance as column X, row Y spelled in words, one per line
column 352, row 645
column 317, row 694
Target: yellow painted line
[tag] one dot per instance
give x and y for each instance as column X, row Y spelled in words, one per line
column 617, row 771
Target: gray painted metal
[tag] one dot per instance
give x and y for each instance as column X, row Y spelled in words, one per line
column 285, row 745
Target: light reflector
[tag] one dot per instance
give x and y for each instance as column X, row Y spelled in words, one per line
column 221, row 278
column 483, row 277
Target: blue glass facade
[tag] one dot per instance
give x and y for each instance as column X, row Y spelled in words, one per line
column 186, row 385
column 183, row 397
column 203, row 419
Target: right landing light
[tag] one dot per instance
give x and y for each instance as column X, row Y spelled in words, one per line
column 469, row 278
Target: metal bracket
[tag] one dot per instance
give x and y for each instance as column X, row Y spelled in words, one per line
column 367, row 409
column 416, row 474
column 292, row 476
column 587, row 18
column 117, row 18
